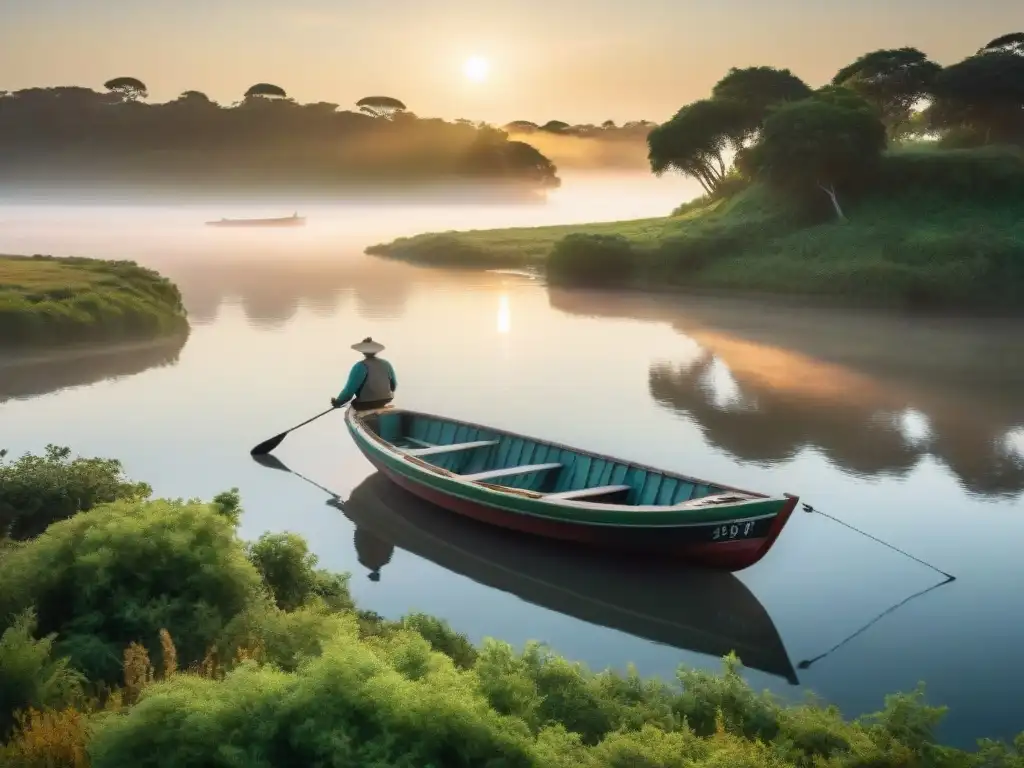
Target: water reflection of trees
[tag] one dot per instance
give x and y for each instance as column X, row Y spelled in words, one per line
column 271, row 293
column 769, row 427
column 25, row 377
column 838, row 382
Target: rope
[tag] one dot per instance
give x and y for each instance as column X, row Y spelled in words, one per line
column 809, row 508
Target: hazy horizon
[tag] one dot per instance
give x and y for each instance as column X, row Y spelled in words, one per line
column 643, row 60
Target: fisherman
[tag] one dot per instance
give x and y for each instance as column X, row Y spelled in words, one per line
column 371, row 382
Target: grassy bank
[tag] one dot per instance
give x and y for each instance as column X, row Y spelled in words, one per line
column 936, row 228
column 46, row 300
column 145, row 632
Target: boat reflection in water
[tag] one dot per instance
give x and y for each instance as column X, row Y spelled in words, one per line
column 708, row 612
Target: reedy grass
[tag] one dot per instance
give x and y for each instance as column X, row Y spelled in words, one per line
column 46, row 300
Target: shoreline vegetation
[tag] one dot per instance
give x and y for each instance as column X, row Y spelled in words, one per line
column 58, row 138
column 900, row 183
column 212, row 650
column 73, row 304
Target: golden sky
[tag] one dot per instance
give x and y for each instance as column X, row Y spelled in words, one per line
column 572, row 60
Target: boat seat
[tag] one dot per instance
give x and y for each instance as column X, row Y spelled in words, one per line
column 510, row 471
column 581, row 493
column 435, row 449
column 420, row 443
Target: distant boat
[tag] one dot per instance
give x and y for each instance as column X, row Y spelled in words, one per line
column 554, row 491
column 283, row 221
column 695, row 609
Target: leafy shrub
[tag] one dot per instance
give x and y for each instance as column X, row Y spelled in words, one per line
column 29, row 675
column 36, row 491
column 442, row 638
column 955, row 175
column 591, row 260
column 121, row 572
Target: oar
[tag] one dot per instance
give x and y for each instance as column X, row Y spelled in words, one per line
column 268, row 445
column 272, row 462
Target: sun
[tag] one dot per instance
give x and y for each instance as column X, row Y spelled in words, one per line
column 476, row 69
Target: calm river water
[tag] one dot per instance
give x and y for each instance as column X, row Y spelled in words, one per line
column 910, row 429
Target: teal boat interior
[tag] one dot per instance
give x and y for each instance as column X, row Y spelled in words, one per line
column 555, row 472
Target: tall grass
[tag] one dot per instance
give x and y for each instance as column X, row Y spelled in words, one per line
column 935, row 228
column 51, row 300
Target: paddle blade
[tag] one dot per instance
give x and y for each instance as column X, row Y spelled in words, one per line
column 268, row 445
column 270, row 461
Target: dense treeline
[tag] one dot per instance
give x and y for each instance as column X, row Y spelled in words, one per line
column 145, row 632
column 74, row 134
column 808, row 141
column 633, row 130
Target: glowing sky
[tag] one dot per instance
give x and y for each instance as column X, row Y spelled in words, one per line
column 573, row 60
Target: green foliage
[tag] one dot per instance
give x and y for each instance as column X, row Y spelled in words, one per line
column 120, row 572
column 822, row 143
column 51, row 300
column 442, row 638
column 758, row 89
column 288, row 568
column 29, row 675
column 320, row 684
column 955, row 176
column 389, row 700
column 596, row 260
column 893, row 81
column 444, row 249
column 931, row 228
column 36, row 491
column 693, row 141
column 984, row 93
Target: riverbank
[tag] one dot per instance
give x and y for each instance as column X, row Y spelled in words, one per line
column 68, row 301
column 939, row 229
column 200, row 640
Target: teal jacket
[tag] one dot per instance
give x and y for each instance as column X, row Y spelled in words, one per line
column 356, row 378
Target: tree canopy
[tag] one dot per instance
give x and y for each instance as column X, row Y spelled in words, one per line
column 266, row 91
column 381, row 106
column 128, row 88
column 1011, row 43
column 984, row 93
column 694, row 140
column 893, row 81
column 820, row 143
column 757, row 89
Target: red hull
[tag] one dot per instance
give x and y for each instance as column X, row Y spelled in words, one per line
column 731, row 555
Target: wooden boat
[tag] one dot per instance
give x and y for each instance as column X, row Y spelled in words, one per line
column 285, row 221
column 706, row 612
column 559, row 492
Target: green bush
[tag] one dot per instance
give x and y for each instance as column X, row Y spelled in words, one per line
column 322, row 684
column 952, row 175
column 29, row 675
column 591, row 260
column 121, row 572
column 36, row 491
column 289, row 570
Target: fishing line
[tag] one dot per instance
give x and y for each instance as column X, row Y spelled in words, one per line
column 809, row 508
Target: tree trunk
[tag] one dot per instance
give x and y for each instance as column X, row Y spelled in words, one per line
column 830, row 190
